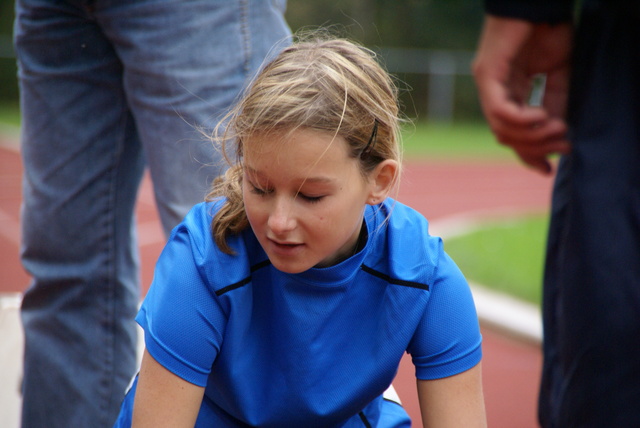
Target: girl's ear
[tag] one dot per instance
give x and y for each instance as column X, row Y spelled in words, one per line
column 383, row 178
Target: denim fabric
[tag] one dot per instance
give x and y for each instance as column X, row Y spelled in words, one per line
column 107, row 87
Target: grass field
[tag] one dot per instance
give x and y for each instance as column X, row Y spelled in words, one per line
column 459, row 141
column 506, row 257
column 9, row 118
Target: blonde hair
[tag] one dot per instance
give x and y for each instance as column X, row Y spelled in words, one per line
column 322, row 83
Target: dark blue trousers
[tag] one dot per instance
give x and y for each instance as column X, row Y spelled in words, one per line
column 591, row 308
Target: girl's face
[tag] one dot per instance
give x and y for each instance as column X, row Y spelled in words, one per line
column 304, row 198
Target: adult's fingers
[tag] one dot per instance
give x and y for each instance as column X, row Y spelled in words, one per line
column 537, row 156
column 528, row 131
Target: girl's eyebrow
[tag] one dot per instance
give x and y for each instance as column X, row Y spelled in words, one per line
column 312, row 180
column 249, row 170
column 320, row 180
column 252, row 172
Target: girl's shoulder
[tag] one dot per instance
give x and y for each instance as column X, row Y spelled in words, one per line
column 405, row 225
column 406, row 249
column 219, row 268
column 197, row 223
column 403, row 216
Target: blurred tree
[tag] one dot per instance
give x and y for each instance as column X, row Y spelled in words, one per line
column 8, row 79
column 422, row 24
column 433, row 24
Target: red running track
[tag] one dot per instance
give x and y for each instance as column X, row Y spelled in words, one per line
column 438, row 189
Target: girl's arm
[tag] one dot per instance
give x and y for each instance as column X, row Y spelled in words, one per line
column 164, row 399
column 455, row 401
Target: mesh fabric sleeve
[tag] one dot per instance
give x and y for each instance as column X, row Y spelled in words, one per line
column 447, row 340
column 181, row 316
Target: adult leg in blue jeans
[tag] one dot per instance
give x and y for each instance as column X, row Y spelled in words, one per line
column 105, row 87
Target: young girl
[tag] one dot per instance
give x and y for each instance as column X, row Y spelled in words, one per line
column 289, row 298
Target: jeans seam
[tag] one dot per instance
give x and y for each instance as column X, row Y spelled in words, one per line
column 111, row 271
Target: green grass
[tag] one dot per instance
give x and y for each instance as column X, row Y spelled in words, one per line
column 9, row 119
column 459, row 140
column 506, row 256
column 10, row 114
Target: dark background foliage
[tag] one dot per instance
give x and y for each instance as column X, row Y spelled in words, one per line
column 421, row 28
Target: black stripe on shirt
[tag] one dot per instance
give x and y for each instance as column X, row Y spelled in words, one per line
column 244, row 281
column 364, row 420
column 260, row 265
column 394, row 280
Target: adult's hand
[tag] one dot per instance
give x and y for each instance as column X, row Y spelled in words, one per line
column 510, row 56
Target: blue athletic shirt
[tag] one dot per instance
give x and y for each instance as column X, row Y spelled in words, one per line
column 314, row 349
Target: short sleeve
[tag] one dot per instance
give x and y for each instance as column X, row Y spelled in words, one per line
column 447, row 340
column 181, row 316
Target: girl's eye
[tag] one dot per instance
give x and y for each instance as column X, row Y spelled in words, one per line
column 259, row 191
column 264, row 192
column 311, row 199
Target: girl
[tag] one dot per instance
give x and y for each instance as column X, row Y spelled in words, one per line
column 289, row 298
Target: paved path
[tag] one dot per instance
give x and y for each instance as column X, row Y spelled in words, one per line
column 449, row 194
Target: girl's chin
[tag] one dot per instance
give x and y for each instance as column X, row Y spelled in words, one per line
column 291, row 268
column 288, row 260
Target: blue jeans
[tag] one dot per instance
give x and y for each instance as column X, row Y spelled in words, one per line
column 107, row 87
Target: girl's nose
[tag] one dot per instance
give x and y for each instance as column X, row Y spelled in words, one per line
column 281, row 219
